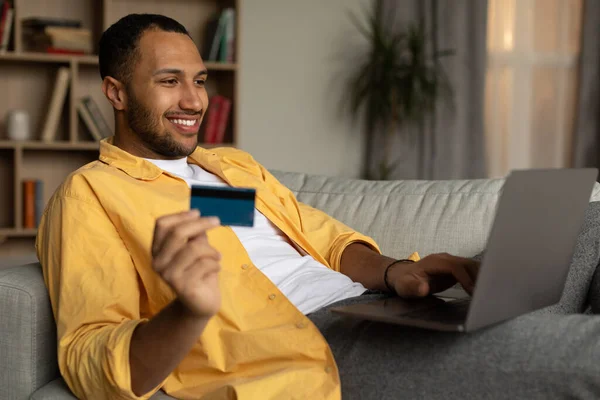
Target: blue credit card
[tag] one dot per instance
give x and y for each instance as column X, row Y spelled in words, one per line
column 233, row 206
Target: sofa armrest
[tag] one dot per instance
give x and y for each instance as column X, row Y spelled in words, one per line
column 58, row 390
column 27, row 332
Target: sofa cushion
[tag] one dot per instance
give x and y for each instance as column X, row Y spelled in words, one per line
column 406, row 216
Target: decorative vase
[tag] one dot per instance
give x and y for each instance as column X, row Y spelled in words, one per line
column 18, row 125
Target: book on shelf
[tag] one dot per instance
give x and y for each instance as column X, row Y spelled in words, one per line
column 56, row 104
column 217, row 119
column 227, row 46
column 58, row 50
column 6, row 24
column 65, row 35
column 33, row 203
column 222, row 120
column 88, row 120
column 39, row 23
column 219, row 44
column 39, row 201
column 94, row 111
column 210, row 31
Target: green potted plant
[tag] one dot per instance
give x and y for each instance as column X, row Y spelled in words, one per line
column 397, row 83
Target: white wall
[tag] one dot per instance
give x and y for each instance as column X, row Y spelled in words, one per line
column 291, row 54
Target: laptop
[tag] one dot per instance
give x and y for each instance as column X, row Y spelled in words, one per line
column 525, row 265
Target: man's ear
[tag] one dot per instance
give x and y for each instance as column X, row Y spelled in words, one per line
column 114, row 91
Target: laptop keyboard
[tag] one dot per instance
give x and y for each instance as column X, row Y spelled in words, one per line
column 453, row 312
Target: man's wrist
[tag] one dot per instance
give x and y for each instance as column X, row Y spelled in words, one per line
column 393, row 272
column 183, row 311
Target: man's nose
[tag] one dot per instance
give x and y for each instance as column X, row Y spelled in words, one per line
column 190, row 99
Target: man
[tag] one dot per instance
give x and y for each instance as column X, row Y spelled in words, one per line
column 148, row 295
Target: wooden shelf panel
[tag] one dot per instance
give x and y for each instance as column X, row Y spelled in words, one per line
column 12, row 232
column 213, row 66
column 87, row 60
column 36, row 145
column 7, row 179
column 48, row 58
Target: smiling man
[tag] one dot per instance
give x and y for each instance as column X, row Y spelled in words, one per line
column 148, row 295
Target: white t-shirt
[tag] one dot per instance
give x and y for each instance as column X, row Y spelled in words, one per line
column 308, row 284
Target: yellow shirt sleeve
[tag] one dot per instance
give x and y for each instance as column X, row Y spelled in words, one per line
column 329, row 236
column 95, row 296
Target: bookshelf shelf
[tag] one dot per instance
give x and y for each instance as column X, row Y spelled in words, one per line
column 87, row 60
column 13, row 232
column 212, row 66
column 48, row 58
column 29, row 81
column 57, row 145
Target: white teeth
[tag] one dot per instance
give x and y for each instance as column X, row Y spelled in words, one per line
column 184, row 122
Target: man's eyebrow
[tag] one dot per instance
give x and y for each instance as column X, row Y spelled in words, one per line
column 173, row 71
column 176, row 71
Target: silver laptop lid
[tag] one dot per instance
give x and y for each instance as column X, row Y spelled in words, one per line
column 530, row 246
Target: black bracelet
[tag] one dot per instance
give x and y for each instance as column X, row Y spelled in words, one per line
column 387, row 269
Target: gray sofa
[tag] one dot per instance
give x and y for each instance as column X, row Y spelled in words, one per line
column 402, row 216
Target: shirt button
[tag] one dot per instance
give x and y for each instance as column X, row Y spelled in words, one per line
column 300, row 325
column 244, row 266
column 271, row 296
column 328, row 369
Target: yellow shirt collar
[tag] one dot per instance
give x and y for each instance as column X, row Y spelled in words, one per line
column 138, row 168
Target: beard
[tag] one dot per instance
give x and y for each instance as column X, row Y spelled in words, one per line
column 147, row 127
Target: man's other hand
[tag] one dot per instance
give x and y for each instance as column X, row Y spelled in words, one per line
column 182, row 256
column 432, row 274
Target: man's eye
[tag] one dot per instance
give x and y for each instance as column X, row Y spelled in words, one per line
column 200, row 82
column 170, row 81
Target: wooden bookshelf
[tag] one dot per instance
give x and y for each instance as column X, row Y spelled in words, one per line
column 28, row 80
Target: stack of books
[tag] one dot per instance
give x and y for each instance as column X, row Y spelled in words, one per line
column 33, row 203
column 219, row 42
column 7, row 15
column 57, row 36
column 217, row 119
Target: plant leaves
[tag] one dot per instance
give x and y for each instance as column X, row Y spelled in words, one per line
column 400, row 80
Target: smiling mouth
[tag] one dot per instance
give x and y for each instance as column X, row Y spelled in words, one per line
column 183, row 122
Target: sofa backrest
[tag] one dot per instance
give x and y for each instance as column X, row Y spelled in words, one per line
column 406, row 216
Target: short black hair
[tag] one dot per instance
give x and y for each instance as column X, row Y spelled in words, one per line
column 118, row 48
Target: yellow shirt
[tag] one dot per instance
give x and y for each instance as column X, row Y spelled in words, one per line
column 94, row 245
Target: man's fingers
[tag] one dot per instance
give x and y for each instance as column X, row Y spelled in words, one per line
column 165, row 223
column 179, row 236
column 195, row 251
column 470, row 266
column 457, row 270
column 191, row 264
column 203, row 272
column 462, row 276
